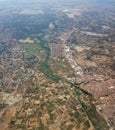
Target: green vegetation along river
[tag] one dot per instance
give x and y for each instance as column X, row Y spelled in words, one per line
column 44, row 66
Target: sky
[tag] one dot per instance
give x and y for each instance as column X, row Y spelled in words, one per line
column 50, row 1
column 59, row 0
column 65, row 0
